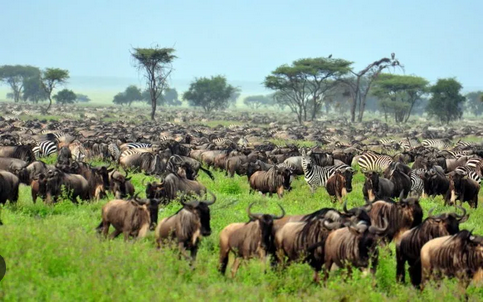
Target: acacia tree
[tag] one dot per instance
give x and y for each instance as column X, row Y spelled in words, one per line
column 156, row 63
column 33, row 90
column 15, row 76
column 209, row 93
column 65, row 96
column 51, row 77
column 360, row 83
column 398, row 94
column 255, row 102
column 303, row 85
column 474, row 102
column 446, row 100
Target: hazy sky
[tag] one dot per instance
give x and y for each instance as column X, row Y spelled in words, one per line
column 244, row 40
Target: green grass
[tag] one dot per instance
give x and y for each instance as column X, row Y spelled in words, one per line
column 54, row 254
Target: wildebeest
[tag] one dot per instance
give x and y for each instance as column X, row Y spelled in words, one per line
column 463, row 189
column 353, row 246
column 15, row 166
column 247, row 240
column 76, row 186
column 8, row 187
column 437, row 182
column 376, row 187
column 305, row 241
column 174, row 183
column 410, row 243
column 97, row 178
column 130, row 217
column 270, row 181
column 23, row 152
column 120, row 185
column 336, row 186
column 458, row 256
column 402, row 215
column 145, row 162
column 187, row 226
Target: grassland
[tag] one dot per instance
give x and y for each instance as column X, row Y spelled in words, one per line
column 54, row 254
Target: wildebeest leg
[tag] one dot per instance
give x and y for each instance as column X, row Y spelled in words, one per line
column 126, row 234
column 34, row 196
column 224, row 257
column 105, row 228
column 327, row 267
column 400, row 267
column 235, row 266
column 182, row 250
column 194, row 252
column 415, row 272
column 115, row 233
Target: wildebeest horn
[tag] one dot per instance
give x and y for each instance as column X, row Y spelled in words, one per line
column 332, row 225
column 209, row 203
column 283, row 213
column 135, row 197
column 368, row 206
column 250, row 214
column 430, row 212
column 142, row 181
column 401, row 195
column 127, row 178
column 344, row 207
column 460, row 217
column 376, row 230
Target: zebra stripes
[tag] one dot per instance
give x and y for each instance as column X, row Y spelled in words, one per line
column 374, row 162
column 138, row 145
column 222, row 141
column 317, row 176
column 470, row 172
column 440, row 144
column 44, row 149
column 114, row 152
column 417, row 183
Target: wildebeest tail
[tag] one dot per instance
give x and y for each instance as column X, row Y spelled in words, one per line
column 208, row 172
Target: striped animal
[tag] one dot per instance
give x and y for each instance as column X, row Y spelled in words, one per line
column 440, row 144
column 44, row 149
column 417, row 183
column 317, row 176
column 472, row 174
column 374, row 162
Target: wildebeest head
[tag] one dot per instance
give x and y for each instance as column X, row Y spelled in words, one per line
column 118, row 184
column 371, row 184
column 348, row 173
column 411, row 210
column 357, row 213
column 21, row 172
column 154, row 189
column 448, row 221
column 202, row 210
column 152, row 205
column 266, row 224
column 368, row 238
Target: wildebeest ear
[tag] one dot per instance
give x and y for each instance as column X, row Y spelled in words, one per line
column 128, row 179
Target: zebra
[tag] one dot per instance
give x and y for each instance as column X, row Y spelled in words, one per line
column 78, row 153
column 242, row 142
column 44, row 149
column 131, row 152
column 417, row 183
column 317, row 176
column 374, row 162
column 114, row 152
column 223, row 141
column 472, row 174
column 440, row 144
column 462, row 144
column 138, row 145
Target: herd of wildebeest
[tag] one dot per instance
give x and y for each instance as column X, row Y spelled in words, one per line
column 416, row 162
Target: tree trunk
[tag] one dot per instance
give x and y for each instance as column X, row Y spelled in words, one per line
column 409, row 112
column 314, row 108
column 153, row 109
column 50, row 105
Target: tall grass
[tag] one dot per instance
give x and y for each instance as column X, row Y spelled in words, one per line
column 53, row 253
